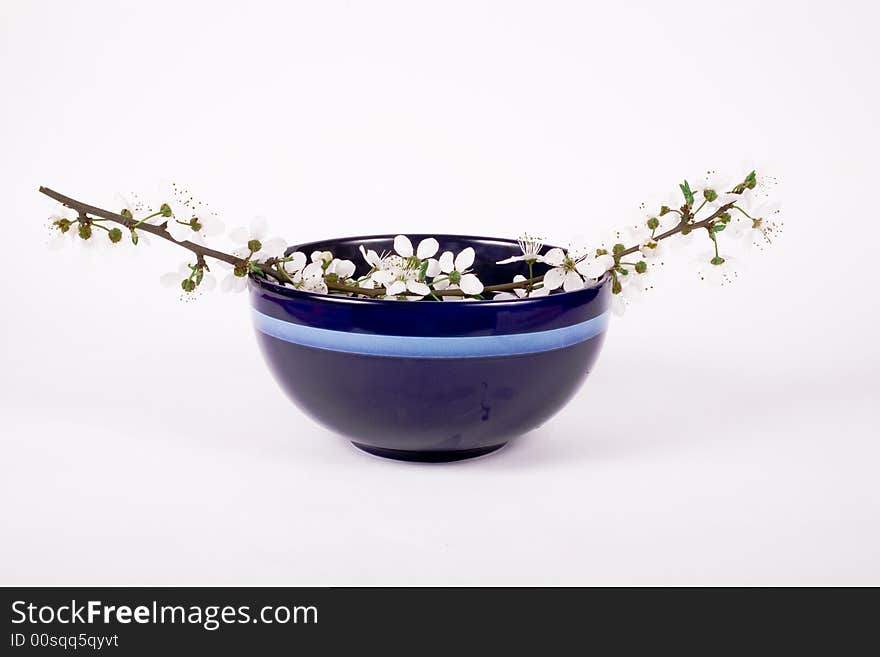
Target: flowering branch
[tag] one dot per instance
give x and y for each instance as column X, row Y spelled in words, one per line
column 411, row 273
column 88, row 215
column 86, row 218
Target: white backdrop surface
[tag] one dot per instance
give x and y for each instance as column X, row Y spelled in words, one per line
column 727, row 436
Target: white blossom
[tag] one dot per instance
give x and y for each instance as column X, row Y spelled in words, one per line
column 342, row 268
column 722, row 186
column 760, row 227
column 455, row 272
column 569, row 273
column 324, row 257
column 174, row 279
column 531, row 250
column 270, row 247
column 719, row 270
column 58, row 239
column 186, row 225
column 233, row 283
column 371, row 257
column 596, row 266
column 295, row 262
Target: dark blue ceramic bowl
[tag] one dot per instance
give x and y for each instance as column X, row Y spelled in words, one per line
column 426, row 380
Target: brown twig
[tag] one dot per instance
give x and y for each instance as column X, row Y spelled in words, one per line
column 159, row 230
column 686, row 216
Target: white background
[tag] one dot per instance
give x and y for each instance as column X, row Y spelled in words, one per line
column 727, row 435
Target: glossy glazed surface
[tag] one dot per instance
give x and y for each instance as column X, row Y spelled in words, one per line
column 428, row 380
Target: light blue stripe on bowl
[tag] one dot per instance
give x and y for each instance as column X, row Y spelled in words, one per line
column 430, row 347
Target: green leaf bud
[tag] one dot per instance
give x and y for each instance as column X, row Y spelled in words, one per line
column 115, row 235
column 665, row 210
column 687, row 193
column 165, row 210
column 618, row 248
column 641, row 266
column 84, row 231
column 240, row 270
column 188, row 285
column 717, row 260
column 254, row 245
column 653, row 223
column 616, row 287
column 125, row 212
column 749, row 182
column 134, row 237
column 710, row 195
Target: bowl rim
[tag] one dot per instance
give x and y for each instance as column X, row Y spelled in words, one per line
column 340, row 299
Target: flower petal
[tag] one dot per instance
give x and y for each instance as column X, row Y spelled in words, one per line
column 233, row 283
column 428, row 248
column 239, row 235
column 504, row 296
column 507, row 261
column 313, row 270
column 342, row 268
column 371, row 257
column 403, row 246
column 572, row 282
column 631, row 292
column 211, row 225
column 554, row 257
column 297, row 261
column 554, row 278
column 595, row 267
column 383, row 276
column 447, row 263
column 464, row 260
column 433, row 268
column 171, row 279
column 417, row 287
column 395, row 288
column 208, row 283
column 470, row 284
column 259, row 228
column 442, row 284
column 273, row 248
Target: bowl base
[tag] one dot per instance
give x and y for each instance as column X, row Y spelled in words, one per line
column 430, row 456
